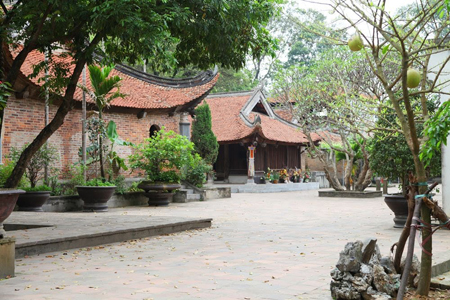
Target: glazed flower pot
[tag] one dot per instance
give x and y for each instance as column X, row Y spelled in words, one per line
column 399, row 206
column 95, row 197
column 8, row 199
column 32, row 201
column 158, row 193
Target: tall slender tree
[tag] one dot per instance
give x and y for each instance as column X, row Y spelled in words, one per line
column 202, row 135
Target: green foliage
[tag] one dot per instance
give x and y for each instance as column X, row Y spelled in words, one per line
column 163, row 156
column 46, row 155
column 202, row 33
column 5, row 171
column 38, row 188
column 196, row 175
column 115, row 161
column 202, row 135
column 436, row 132
column 134, row 187
column 5, row 92
column 390, row 155
column 234, row 81
column 75, row 173
column 98, row 182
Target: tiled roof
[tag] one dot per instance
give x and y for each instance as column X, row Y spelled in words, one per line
column 142, row 91
column 228, row 125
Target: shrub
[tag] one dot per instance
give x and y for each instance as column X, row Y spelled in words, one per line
column 163, row 156
column 196, row 173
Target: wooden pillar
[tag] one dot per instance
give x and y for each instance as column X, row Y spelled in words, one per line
column 226, row 164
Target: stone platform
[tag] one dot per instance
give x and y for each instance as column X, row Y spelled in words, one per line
column 350, row 194
column 39, row 233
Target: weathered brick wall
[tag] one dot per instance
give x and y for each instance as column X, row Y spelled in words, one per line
column 24, row 118
column 316, row 165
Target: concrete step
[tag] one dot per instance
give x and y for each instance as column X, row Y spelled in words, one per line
column 188, row 191
column 63, row 231
column 193, row 197
column 441, row 281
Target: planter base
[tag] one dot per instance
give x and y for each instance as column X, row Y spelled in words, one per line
column 158, row 194
column 32, row 201
column 399, row 206
column 95, row 197
column 158, row 199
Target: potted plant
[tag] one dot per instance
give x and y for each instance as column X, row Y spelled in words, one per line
column 163, row 158
column 96, row 192
column 36, row 194
column 284, row 176
column 306, row 176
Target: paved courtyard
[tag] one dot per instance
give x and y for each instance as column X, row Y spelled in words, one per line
column 261, row 246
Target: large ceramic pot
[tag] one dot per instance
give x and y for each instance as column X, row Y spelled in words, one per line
column 160, row 193
column 95, row 197
column 32, row 201
column 8, row 199
column 399, row 205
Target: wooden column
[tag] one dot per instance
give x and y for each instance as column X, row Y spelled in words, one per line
column 226, row 164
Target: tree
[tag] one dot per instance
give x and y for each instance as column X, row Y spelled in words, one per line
column 324, row 97
column 203, row 33
column 411, row 38
column 234, row 81
column 202, row 136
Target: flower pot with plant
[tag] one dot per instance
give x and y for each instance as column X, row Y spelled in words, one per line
column 164, row 159
column 36, row 194
column 96, row 192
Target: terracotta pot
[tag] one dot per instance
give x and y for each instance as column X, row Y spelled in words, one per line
column 8, row 199
column 32, row 201
column 275, row 181
column 95, row 197
column 399, row 205
column 158, row 193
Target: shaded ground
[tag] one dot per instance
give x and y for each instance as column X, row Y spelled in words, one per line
column 261, row 246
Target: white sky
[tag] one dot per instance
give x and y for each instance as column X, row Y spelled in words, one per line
column 391, row 5
column 323, row 6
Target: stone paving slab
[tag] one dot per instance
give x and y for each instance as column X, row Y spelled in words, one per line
column 64, row 231
column 260, row 246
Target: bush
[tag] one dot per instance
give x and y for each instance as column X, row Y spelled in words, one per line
column 196, row 173
column 6, row 170
column 38, row 188
column 163, row 157
column 98, row 182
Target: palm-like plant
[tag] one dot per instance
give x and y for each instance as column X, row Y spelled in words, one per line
column 104, row 90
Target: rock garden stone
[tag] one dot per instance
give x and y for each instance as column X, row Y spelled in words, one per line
column 362, row 273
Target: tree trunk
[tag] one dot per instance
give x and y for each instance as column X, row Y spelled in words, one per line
column 100, row 146
column 406, row 230
column 365, row 177
column 348, row 173
column 46, row 133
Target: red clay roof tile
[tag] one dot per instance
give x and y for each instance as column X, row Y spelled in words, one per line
column 139, row 93
column 228, row 125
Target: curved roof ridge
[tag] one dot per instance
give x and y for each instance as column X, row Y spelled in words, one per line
column 199, row 79
column 231, row 94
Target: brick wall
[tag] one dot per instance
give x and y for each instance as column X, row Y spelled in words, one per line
column 24, row 118
column 316, row 165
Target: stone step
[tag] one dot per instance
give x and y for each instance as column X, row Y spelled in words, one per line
column 188, row 191
column 193, row 197
column 441, row 281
